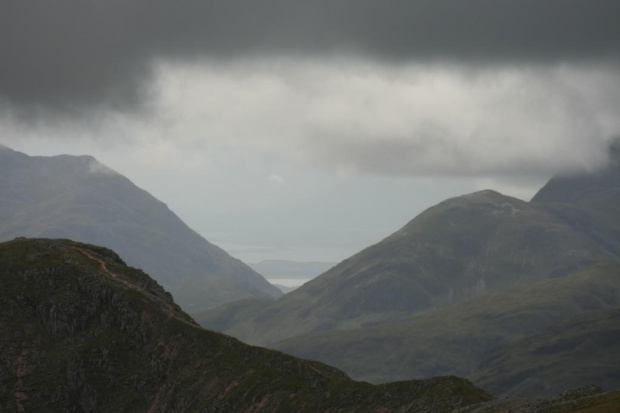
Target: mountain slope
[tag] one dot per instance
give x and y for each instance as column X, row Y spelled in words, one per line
column 82, row 332
column 77, row 197
column 584, row 349
column 588, row 201
column 461, row 248
column 456, row 339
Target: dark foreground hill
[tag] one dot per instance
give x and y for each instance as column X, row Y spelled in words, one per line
column 76, row 197
column 82, row 332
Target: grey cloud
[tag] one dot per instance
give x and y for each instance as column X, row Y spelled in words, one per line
column 442, row 157
column 69, row 56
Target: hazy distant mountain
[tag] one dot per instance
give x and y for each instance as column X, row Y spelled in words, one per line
column 82, row 332
column 575, row 349
column 76, row 197
column 291, row 269
column 284, row 288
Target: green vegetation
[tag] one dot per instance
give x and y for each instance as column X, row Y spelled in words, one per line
column 463, row 248
column 584, row 349
column 80, row 331
column 456, row 339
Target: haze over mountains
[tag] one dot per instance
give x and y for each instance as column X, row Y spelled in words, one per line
column 449, row 267
column 77, row 197
column 291, row 269
column 289, row 275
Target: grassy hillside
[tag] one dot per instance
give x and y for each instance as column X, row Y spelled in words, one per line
column 584, row 349
column 462, row 248
column 81, row 331
column 79, row 198
column 587, row 399
column 456, row 339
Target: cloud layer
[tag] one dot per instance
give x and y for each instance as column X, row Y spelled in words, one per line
column 356, row 116
column 70, row 56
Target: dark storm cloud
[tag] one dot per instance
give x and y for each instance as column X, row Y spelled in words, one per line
column 68, row 55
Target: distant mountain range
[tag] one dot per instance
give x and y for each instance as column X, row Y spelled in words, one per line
column 77, row 197
column 399, row 308
column 291, row 269
column 82, row 332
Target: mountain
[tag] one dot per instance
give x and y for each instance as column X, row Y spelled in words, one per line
column 588, row 201
column 79, row 198
column 475, row 275
column 462, row 248
column 585, row 188
column 82, row 332
column 531, row 341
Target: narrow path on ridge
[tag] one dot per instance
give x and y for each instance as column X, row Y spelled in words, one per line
column 102, row 265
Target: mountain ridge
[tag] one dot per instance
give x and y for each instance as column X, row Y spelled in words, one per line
column 460, row 248
column 78, row 197
column 81, row 331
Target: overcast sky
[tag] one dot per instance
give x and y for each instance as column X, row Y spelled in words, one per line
column 308, row 130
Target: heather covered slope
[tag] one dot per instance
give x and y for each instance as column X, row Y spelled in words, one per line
column 81, row 331
column 76, row 197
column 459, row 249
column 587, row 399
column 459, row 338
column 583, row 349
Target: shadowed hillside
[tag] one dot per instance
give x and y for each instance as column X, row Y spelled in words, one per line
column 81, row 331
column 459, row 338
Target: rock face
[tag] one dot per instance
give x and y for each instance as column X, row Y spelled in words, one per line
column 82, row 332
column 76, row 197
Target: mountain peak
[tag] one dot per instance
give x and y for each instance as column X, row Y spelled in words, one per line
column 6, row 150
column 77, row 197
column 486, row 200
column 588, row 187
column 614, row 152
